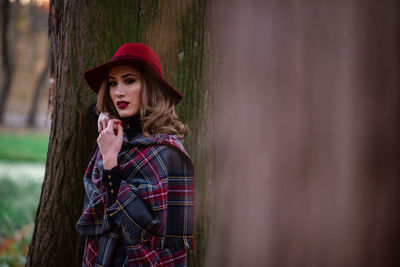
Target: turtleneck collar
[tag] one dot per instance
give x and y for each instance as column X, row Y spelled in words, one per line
column 132, row 126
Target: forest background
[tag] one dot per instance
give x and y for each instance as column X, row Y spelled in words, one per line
column 24, row 122
column 293, row 109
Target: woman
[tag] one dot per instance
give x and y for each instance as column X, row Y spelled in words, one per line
column 138, row 208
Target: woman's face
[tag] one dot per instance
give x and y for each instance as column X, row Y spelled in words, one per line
column 125, row 85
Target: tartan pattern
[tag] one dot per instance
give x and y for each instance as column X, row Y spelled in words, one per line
column 153, row 214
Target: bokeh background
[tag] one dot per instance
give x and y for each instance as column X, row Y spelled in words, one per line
column 25, row 122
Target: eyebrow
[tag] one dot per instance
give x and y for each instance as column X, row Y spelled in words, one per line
column 123, row 76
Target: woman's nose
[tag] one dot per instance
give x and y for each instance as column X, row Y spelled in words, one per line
column 120, row 90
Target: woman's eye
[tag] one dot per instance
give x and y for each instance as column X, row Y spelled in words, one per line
column 112, row 83
column 129, row 81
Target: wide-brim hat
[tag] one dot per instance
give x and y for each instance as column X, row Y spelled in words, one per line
column 137, row 55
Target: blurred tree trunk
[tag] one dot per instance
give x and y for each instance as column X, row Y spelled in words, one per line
column 6, row 58
column 307, row 134
column 84, row 34
column 33, row 30
column 40, row 84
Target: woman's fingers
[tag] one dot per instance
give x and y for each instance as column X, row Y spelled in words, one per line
column 103, row 121
column 120, row 131
column 113, row 125
column 110, row 142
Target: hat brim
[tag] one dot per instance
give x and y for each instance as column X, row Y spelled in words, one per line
column 95, row 76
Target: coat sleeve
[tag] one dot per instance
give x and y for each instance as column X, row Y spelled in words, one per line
column 141, row 205
column 94, row 219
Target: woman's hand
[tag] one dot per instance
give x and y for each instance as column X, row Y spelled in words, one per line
column 103, row 120
column 110, row 142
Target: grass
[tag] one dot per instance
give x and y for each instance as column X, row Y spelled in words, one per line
column 23, row 146
column 18, row 203
column 20, row 186
column 22, row 158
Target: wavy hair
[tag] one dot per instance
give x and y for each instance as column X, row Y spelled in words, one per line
column 157, row 108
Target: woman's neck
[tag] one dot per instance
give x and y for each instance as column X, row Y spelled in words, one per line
column 132, row 125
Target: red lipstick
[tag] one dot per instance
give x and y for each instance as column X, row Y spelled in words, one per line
column 122, row 104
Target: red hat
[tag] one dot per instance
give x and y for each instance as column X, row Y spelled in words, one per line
column 139, row 55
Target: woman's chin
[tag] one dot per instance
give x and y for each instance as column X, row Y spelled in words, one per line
column 126, row 113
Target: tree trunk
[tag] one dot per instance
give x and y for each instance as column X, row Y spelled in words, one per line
column 6, row 58
column 41, row 82
column 307, row 134
column 84, row 34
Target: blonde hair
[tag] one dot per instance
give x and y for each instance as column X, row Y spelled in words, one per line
column 157, row 108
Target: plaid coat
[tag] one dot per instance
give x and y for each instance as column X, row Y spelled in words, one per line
column 153, row 213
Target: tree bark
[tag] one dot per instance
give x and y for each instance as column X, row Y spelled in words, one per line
column 82, row 35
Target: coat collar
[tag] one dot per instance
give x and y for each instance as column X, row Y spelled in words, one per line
column 133, row 136
column 156, row 139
